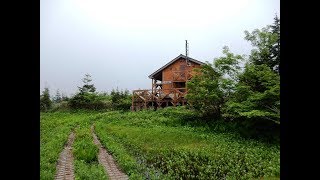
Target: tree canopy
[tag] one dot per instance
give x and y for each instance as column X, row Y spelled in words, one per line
column 250, row 93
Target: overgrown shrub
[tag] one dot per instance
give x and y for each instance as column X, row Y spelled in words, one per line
column 121, row 100
column 45, row 101
column 87, row 101
column 61, row 106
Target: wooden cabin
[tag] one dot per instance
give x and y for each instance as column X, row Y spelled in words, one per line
column 168, row 85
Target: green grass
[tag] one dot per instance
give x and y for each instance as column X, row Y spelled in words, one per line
column 158, row 143
column 86, row 155
column 54, row 131
column 170, row 143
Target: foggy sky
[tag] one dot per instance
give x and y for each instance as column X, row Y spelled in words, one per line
column 119, row 43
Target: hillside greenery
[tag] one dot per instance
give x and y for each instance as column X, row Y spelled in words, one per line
column 169, row 143
column 230, row 128
column 249, row 94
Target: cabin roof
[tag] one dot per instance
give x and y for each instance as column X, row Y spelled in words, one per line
column 152, row 76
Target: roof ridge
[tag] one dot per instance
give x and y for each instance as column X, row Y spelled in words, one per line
column 172, row 61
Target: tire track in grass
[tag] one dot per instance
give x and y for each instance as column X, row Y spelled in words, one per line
column 65, row 169
column 107, row 161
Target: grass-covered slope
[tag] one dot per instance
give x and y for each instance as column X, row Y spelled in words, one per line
column 170, row 143
column 156, row 143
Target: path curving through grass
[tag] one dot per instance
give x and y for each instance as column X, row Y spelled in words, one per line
column 65, row 169
column 107, row 161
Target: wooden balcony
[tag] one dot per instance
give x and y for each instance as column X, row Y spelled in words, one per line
column 158, row 98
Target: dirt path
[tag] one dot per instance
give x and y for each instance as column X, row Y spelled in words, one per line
column 107, row 161
column 65, row 163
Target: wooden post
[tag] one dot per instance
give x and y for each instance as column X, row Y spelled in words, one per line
column 152, row 86
column 132, row 106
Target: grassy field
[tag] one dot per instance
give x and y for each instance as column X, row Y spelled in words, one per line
column 166, row 144
column 85, row 155
column 54, row 131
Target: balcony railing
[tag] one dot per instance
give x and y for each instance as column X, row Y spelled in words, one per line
column 174, row 94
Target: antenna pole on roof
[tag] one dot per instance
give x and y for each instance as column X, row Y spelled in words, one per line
column 187, row 51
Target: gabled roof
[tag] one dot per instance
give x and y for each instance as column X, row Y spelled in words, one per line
column 172, row 61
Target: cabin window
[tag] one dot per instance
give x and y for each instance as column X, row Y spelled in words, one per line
column 179, row 84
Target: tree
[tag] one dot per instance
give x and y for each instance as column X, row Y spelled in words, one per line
column 267, row 45
column 251, row 94
column 121, row 100
column 86, row 98
column 64, row 97
column 204, row 93
column 209, row 89
column 257, row 95
column 58, row 97
column 87, row 88
column 275, row 50
column 45, row 101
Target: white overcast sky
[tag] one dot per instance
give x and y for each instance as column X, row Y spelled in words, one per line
column 121, row 42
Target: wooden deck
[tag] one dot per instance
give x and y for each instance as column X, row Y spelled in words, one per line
column 158, row 98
